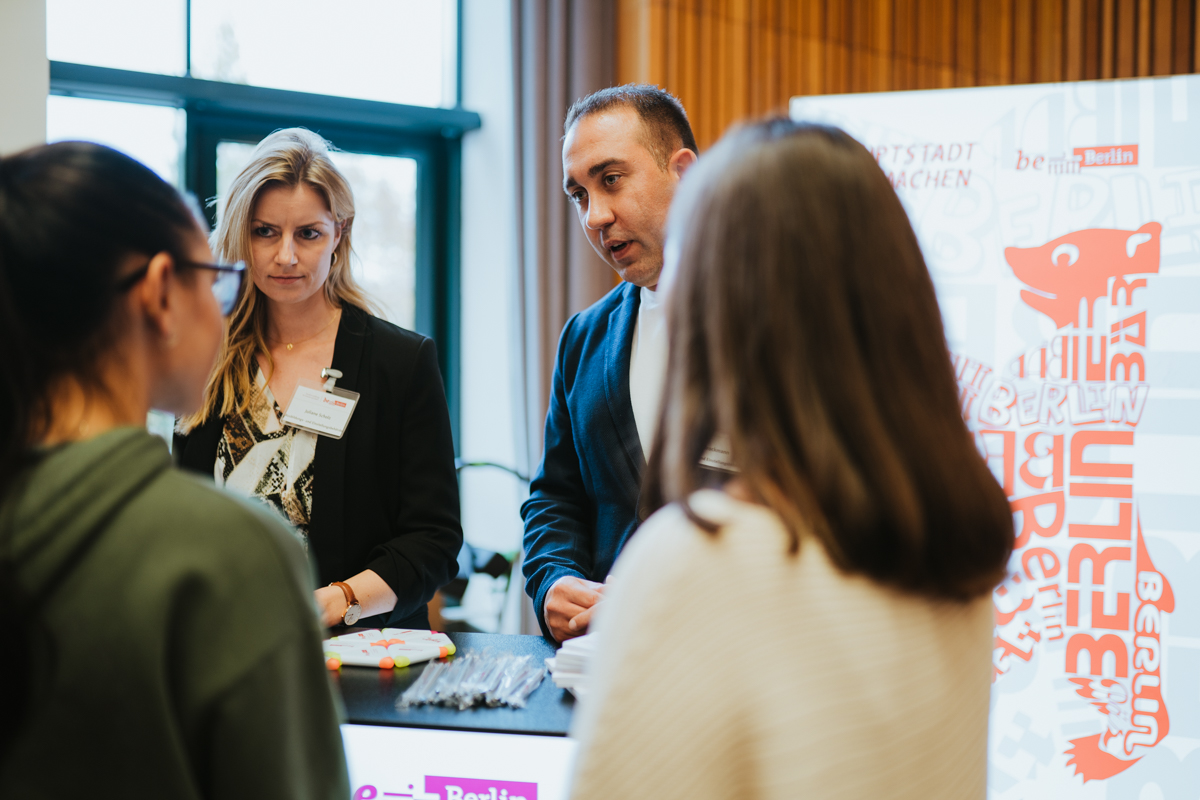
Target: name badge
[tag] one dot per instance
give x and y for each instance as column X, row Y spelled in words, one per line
column 326, row 412
column 719, row 455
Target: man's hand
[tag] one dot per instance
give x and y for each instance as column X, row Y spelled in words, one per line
column 569, row 605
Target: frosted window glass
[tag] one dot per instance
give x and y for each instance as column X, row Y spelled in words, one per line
column 397, row 51
column 140, row 35
column 153, row 135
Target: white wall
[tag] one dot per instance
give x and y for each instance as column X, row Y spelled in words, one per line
column 491, row 499
column 24, row 74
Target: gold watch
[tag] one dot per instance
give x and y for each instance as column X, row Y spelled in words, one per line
column 353, row 608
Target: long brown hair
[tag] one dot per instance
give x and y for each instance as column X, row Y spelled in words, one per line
column 288, row 157
column 804, row 327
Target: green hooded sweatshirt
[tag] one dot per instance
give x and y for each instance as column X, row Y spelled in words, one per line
column 176, row 652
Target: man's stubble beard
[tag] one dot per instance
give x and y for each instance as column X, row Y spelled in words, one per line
column 645, row 271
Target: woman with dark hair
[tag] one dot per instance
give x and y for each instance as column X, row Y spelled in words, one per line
column 819, row 622
column 136, row 661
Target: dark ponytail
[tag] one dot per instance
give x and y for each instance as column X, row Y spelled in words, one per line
column 70, row 215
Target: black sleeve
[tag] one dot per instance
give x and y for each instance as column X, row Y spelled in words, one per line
column 196, row 450
column 423, row 556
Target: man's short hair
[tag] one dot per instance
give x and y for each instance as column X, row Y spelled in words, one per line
column 664, row 121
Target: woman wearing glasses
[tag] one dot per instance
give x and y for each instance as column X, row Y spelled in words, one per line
column 127, row 659
column 374, row 499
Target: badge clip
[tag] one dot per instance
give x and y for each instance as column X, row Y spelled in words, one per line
column 331, row 375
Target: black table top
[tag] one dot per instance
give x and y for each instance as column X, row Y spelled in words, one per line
column 370, row 695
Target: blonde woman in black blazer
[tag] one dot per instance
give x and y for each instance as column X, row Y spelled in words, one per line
column 386, row 496
column 377, row 509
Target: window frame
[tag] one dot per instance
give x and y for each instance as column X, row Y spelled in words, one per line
column 219, row 111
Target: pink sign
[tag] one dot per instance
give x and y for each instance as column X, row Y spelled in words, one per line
column 478, row 789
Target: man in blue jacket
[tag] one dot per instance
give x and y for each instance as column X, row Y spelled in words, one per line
column 624, row 152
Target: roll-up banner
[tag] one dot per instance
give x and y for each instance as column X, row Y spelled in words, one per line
column 1061, row 224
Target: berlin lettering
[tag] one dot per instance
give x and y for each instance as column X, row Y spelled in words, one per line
column 1125, row 155
column 1057, row 427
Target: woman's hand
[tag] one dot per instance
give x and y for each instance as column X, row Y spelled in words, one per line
column 331, row 604
column 375, row 597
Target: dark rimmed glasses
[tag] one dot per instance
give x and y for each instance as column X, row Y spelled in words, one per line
column 227, row 288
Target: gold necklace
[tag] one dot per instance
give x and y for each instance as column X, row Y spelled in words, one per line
column 290, row 345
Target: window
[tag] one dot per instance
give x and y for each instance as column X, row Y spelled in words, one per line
column 190, row 86
column 394, row 51
column 153, row 135
column 142, row 35
column 397, row 51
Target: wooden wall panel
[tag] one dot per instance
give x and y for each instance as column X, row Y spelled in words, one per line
column 733, row 59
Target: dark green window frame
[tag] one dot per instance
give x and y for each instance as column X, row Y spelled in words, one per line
column 232, row 112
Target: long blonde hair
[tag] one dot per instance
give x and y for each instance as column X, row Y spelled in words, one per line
column 288, row 157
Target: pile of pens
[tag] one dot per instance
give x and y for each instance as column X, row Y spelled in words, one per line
column 390, row 648
column 484, row 678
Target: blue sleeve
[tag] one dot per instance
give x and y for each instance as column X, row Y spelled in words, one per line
column 560, row 516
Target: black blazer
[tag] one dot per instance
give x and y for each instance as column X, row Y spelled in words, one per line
column 385, row 495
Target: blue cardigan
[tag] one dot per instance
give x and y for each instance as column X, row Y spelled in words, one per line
column 583, row 501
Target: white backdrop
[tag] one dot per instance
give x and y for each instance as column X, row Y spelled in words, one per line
column 427, row 764
column 1061, row 223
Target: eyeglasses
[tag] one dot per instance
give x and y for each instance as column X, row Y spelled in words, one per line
column 227, row 288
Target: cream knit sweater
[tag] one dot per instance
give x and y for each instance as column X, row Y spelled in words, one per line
column 728, row 669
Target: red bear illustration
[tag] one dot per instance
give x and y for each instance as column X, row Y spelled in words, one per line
column 1077, row 267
